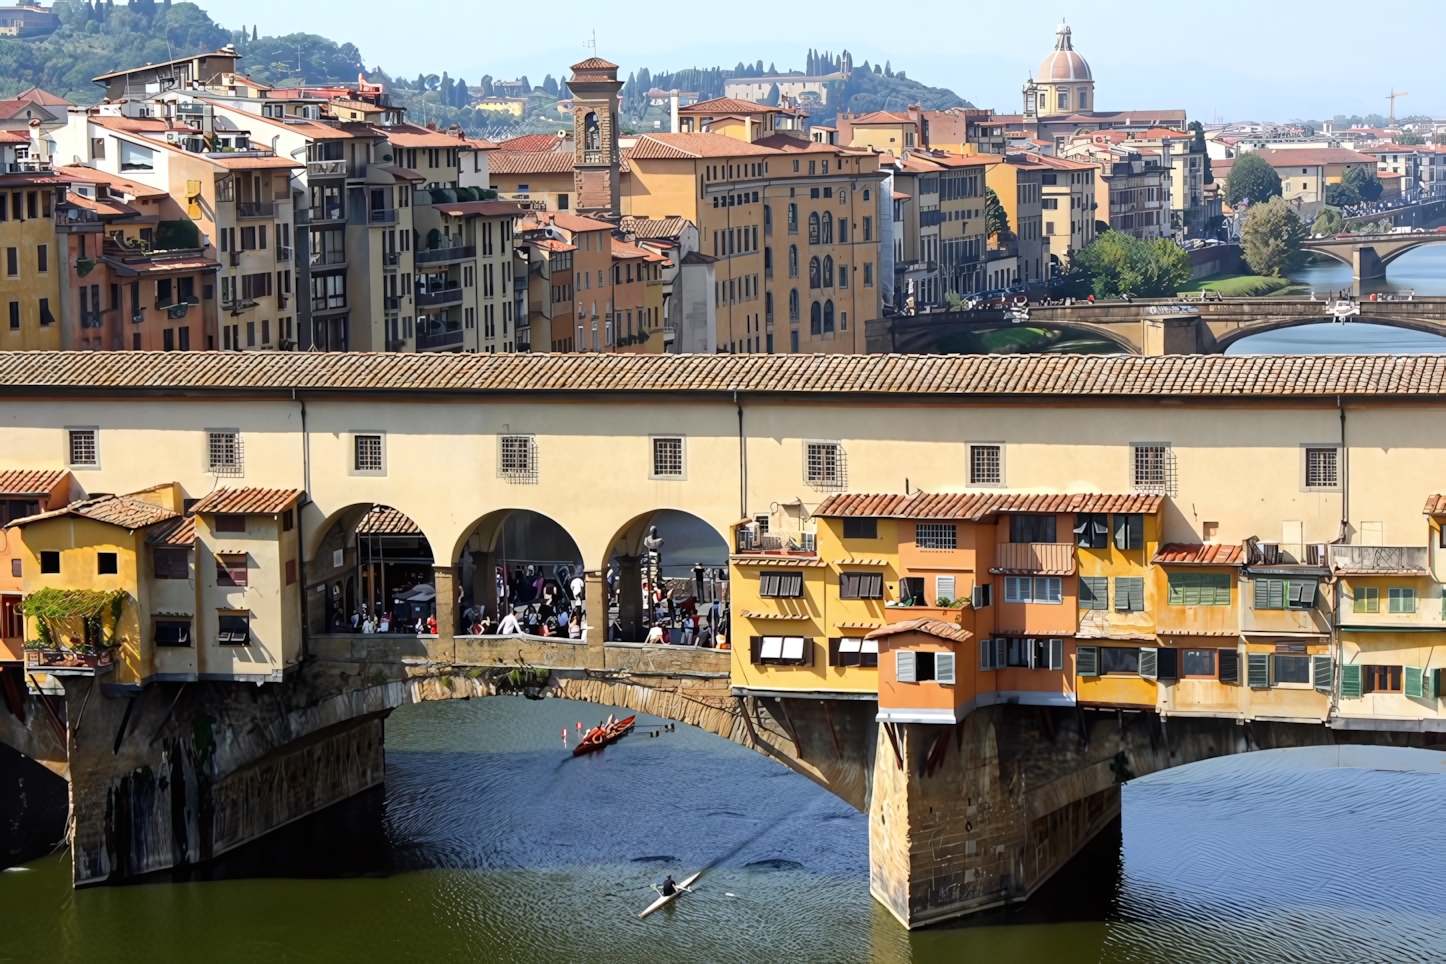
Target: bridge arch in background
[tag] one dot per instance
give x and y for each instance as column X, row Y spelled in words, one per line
column 535, row 557
column 1225, row 340
column 688, row 540
column 367, row 559
column 933, row 334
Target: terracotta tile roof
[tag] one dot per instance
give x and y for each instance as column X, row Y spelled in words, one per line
column 568, row 222
column 115, row 182
column 116, row 510
column 880, row 117
column 45, row 98
column 415, row 139
column 503, row 161
column 930, row 627
column 486, row 209
column 683, row 146
column 665, row 227
column 180, row 531
column 162, row 266
column 627, row 252
column 548, row 244
column 1309, row 156
column 13, row 137
column 973, row 506
column 532, row 143
column 386, row 521
column 778, row 560
column 1184, row 554
column 31, row 481
column 270, row 163
column 266, row 501
column 726, row 105
column 944, row 376
column 594, row 63
column 1435, row 505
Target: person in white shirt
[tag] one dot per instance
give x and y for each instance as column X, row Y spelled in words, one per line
column 509, row 625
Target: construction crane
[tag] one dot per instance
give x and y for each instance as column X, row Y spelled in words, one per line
column 1392, row 98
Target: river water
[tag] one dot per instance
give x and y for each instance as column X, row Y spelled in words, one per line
column 491, row 843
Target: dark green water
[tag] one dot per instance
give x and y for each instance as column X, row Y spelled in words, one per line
column 492, row 844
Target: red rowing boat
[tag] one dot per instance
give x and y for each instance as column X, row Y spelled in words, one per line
column 601, row 736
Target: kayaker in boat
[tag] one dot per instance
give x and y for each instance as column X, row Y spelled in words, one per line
column 669, row 888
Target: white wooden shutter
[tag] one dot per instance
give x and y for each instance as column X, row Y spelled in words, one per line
column 1087, row 660
column 943, row 588
column 1029, row 645
column 1000, row 653
column 986, row 655
column 1320, row 672
column 904, row 666
column 1148, row 663
column 976, row 598
column 944, row 668
column 1056, row 654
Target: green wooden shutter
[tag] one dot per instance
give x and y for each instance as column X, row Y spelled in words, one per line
column 1262, row 593
column 1229, row 665
column 1350, row 682
column 1214, row 589
column 1129, row 594
column 1087, row 661
column 1148, row 663
column 1320, row 672
column 1257, row 670
column 1413, row 682
column 1094, row 592
column 1438, row 678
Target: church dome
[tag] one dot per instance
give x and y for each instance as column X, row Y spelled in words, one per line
column 1063, row 65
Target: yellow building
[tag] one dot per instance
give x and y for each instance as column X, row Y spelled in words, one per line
column 31, row 257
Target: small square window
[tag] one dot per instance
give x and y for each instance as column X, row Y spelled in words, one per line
column 517, row 458
column 230, row 522
column 83, row 450
column 231, row 569
column 49, row 562
column 106, row 564
column 986, row 466
column 173, row 632
column 861, row 528
column 1321, row 468
column 667, row 458
column 936, row 535
column 1151, row 469
column 171, row 562
column 223, row 452
column 234, row 631
column 823, row 465
column 367, row 454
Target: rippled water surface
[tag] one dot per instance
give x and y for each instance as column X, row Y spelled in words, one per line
column 492, row 844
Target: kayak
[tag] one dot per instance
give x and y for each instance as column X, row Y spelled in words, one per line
column 601, row 736
column 664, row 900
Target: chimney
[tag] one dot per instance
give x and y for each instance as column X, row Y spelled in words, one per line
column 673, row 108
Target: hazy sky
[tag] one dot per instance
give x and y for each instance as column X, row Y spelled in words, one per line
column 1234, row 59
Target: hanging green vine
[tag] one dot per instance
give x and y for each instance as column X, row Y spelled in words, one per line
column 52, row 608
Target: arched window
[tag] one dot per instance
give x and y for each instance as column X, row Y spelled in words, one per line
column 828, row 317
column 793, row 305
column 793, row 219
column 793, row 261
column 813, row 273
column 768, row 260
column 815, row 319
column 826, row 235
column 591, row 136
column 813, row 227
column 828, row 271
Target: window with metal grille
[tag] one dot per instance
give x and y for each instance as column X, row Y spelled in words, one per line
column 823, row 464
column 223, row 452
column 368, row 453
column 780, row 585
column 667, row 458
column 936, row 535
column 1321, row 469
column 83, row 448
column 985, row 466
column 517, row 459
column 1151, row 469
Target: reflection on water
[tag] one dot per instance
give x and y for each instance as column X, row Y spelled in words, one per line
column 1422, row 271
column 493, row 844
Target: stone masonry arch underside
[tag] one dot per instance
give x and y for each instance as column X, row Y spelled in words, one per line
column 923, row 339
column 1224, row 340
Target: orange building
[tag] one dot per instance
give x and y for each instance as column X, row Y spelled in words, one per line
column 22, row 494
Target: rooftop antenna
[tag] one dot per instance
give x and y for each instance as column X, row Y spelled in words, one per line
column 1392, row 98
column 591, row 44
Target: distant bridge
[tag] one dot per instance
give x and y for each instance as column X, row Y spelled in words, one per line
column 1157, row 327
column 1368, row 254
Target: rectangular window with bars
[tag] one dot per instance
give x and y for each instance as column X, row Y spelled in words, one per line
column 667, row 458
column 780, row 585
column 823, row 465
column 84, row 453
column 517, row 458
column 223, row 452
column 936, row 535
column 1151, row 467
column 986, row 466
column 1322, row 469
column 367, row 453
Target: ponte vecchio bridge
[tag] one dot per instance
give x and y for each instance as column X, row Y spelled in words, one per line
column 167, row 771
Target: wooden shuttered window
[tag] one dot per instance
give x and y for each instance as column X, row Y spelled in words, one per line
column 1087, row 660
column 1350, row 682
column 1199, row 589
column 943, row 589
column 1130, row 594
column 857, row 585
column 1167, row 663
column 1257, row 670
column 1229, row 661
column 1149, row 662
column 1092, row 530
column 171, row 562
column 982, row 595
column 1129, row 530
column 944, row 668
column 904, row 666
column 1414, row 681
column 231, row 569
column 1320, row 673
column 1438, row 684
column 853, row 651
column 986, row 655
column 780, row 585
column 1285, row 593
column 1056, row 654
column 782, row 650
column 1094, row 592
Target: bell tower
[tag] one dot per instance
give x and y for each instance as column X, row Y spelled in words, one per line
column 595, row 86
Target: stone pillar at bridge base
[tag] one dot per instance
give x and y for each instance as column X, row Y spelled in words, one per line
column 1366, row 264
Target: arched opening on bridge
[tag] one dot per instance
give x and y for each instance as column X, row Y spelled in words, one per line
column 1011, row 339
column 1420, row 270
column 372, row 571
column 521, row 562
column 1315, row 336
column 668, row 580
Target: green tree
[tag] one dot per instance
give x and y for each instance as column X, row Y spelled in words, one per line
column 1409, row 139
column 1251, row 177
column 996, row 219
column 1327, row 222
column 1272, row 238
column 1364, row 182
column 1116, row 264
column 1339, row 195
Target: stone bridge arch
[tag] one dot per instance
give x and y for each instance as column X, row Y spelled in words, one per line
column 922, row 338
column 1368, row 255
column 1223, row 340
